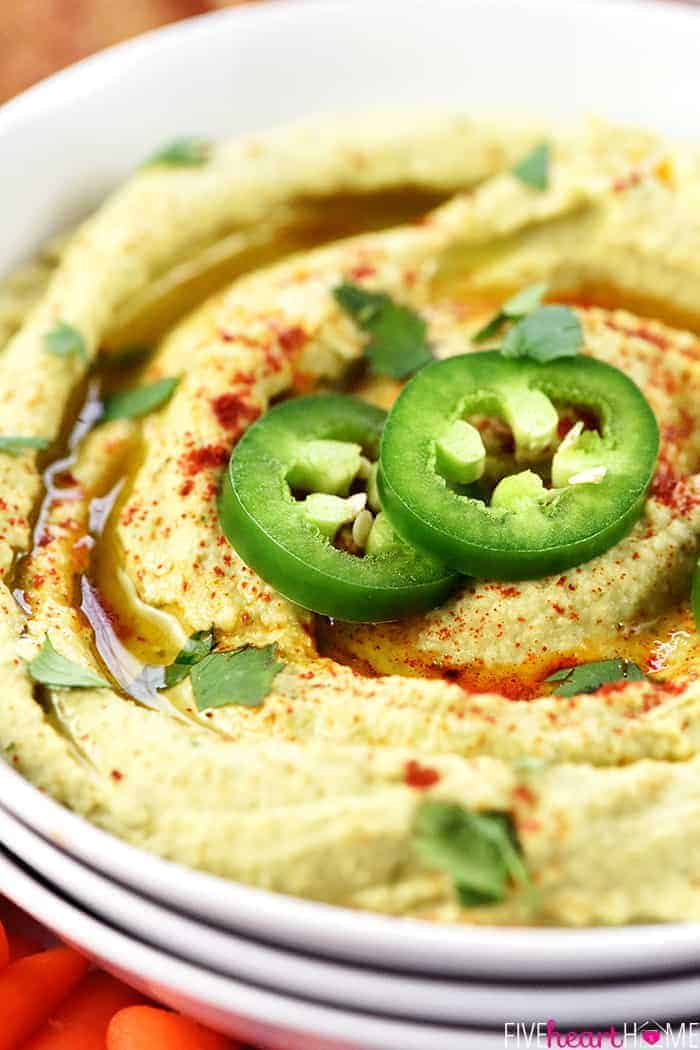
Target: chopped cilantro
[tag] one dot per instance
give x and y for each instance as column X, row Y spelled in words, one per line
column 243, row 676
column 195, row 649
column 479, row 851
column 586, row 678
column 519, row 305
column 14, row 445
column 139, row 401
column 187, row 151
column 398, row 343
column 533, row 170
column 545, row 334
column 65, row 341
column 50, row 668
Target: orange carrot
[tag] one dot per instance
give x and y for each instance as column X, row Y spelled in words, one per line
column 80, row 1022
column 147, row 1028
column 21, row 945
column 32, row 988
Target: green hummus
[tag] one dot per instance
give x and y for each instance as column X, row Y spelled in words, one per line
column 110, row 541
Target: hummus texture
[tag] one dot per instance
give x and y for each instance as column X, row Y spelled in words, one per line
column 110, row 542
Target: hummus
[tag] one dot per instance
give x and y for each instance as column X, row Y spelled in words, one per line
column 110, row 542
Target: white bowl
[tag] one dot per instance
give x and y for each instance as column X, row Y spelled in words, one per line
column 264, row 1018
column 465, row 1003
column 406, row 945
column 64, row 142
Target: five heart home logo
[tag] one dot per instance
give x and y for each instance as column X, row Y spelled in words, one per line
column 651, row 1032
column 630, row 1035
column 646, row 1034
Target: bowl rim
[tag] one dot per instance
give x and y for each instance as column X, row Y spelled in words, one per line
column 282, row 919
column 341, row 933
column 471, row 1002
column 189, row 986
column 55, row 88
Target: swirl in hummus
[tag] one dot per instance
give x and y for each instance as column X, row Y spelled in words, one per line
column 110, row 542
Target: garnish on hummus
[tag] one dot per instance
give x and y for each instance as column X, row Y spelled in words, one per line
column 544, row 335
column 514, row 309
column 50, row 668
column 398, row 342
column 244, row 676
column 479, row 851
column 64, row 340
column 194, row 650
column 187, row 151
column 522, row 529
column 15, row 444
column 421, row 426
column 533, row 170
column 130, row 404
column 587, row 678
column 316, row 448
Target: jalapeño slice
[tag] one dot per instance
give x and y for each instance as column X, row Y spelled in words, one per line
column 530, row 525
column 294, row 480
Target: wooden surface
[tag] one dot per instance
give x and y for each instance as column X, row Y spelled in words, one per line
column 37, row 37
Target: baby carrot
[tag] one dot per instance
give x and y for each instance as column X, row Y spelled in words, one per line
column 32, row 988
column 80, row 1022
column 147, row 1028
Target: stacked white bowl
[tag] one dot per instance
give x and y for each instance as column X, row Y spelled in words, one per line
column 282, row 972
column 277, row 971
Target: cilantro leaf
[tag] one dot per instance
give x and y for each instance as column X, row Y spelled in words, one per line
column 586, row 678
column 195, row 649
column 491, row 328
column 243, row 676
column 50, row 668
column 519, row 305
column 479, row 851
column 14, row 445
column 545, row 334
column 398, row 343
column 187, row 151
column 140, row 400
column 64, row 341
column 526, row 300
column 533, row 170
